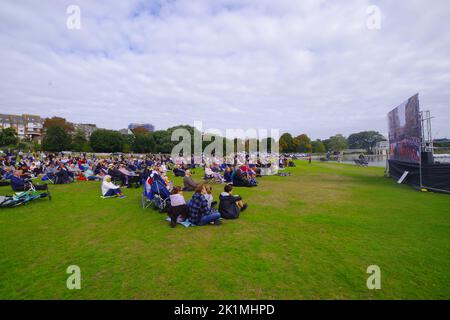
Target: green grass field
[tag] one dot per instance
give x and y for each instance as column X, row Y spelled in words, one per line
column 308, row 236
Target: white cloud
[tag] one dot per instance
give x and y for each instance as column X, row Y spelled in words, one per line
column 301, row 66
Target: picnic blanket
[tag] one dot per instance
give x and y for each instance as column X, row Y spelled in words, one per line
column 185, row 223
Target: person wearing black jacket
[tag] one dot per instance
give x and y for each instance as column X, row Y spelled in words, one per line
column 20, row 184
column 230, row 206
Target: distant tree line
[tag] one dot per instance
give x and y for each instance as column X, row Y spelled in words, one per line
column 303, row 144
column 60, row 135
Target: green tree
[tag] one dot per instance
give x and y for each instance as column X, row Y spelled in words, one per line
column 337, row 143
column 286, row 143
column 143, row 143
column 8, row 137
column 79, row 142
column 59, row 122
column 56, row 139
column 107, row 141
column 302, row 144
column 163, row 141
column 365, row 140
column 318, row 146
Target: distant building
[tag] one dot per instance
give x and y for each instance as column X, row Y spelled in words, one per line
column 146, row 126
column 381, row 148
column 87, row 128
column 125, row 131
column 26, row 125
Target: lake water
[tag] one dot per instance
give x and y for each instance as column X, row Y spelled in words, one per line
column 374, row 161
column 380, row 161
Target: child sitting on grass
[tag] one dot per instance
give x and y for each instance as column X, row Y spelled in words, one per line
column 178, row 210
column 209, row 197
column 230, row 205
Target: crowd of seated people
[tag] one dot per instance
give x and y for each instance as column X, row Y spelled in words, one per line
column 200, row 209
column 61, row 168
column 126, row 171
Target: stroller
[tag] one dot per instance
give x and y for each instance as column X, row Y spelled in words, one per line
column 155, row 193
column 23, row 197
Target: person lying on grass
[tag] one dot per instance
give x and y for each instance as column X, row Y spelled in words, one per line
column 178, row 210
column 230, row 206
column 199, row 213
column 109, row 189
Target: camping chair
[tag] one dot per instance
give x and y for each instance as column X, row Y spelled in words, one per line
column 155, row 193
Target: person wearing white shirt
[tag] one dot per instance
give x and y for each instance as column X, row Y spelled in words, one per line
column 109, row 189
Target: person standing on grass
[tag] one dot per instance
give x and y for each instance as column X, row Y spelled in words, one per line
column 199, row 213
column 109, row 189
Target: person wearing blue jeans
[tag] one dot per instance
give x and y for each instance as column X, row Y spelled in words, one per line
column 109, row 189
column 199, row 212
column 207, row 219
column 113, row 192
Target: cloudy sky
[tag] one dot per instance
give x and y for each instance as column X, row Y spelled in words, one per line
column 309, row 66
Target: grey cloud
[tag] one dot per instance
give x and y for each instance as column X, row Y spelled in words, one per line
column 301, row 66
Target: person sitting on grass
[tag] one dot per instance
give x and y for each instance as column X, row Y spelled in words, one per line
column 20, row 184
column 199, row 213
column 209, row 197
column 178, row 172
column 210, row 174
column 228, row 174
column 7, row 173
column 89, row 174
column 109, row 189
column 230, row 206
column 62, row 174
column 240, row 179
column 178, row 210
column 188, row 182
